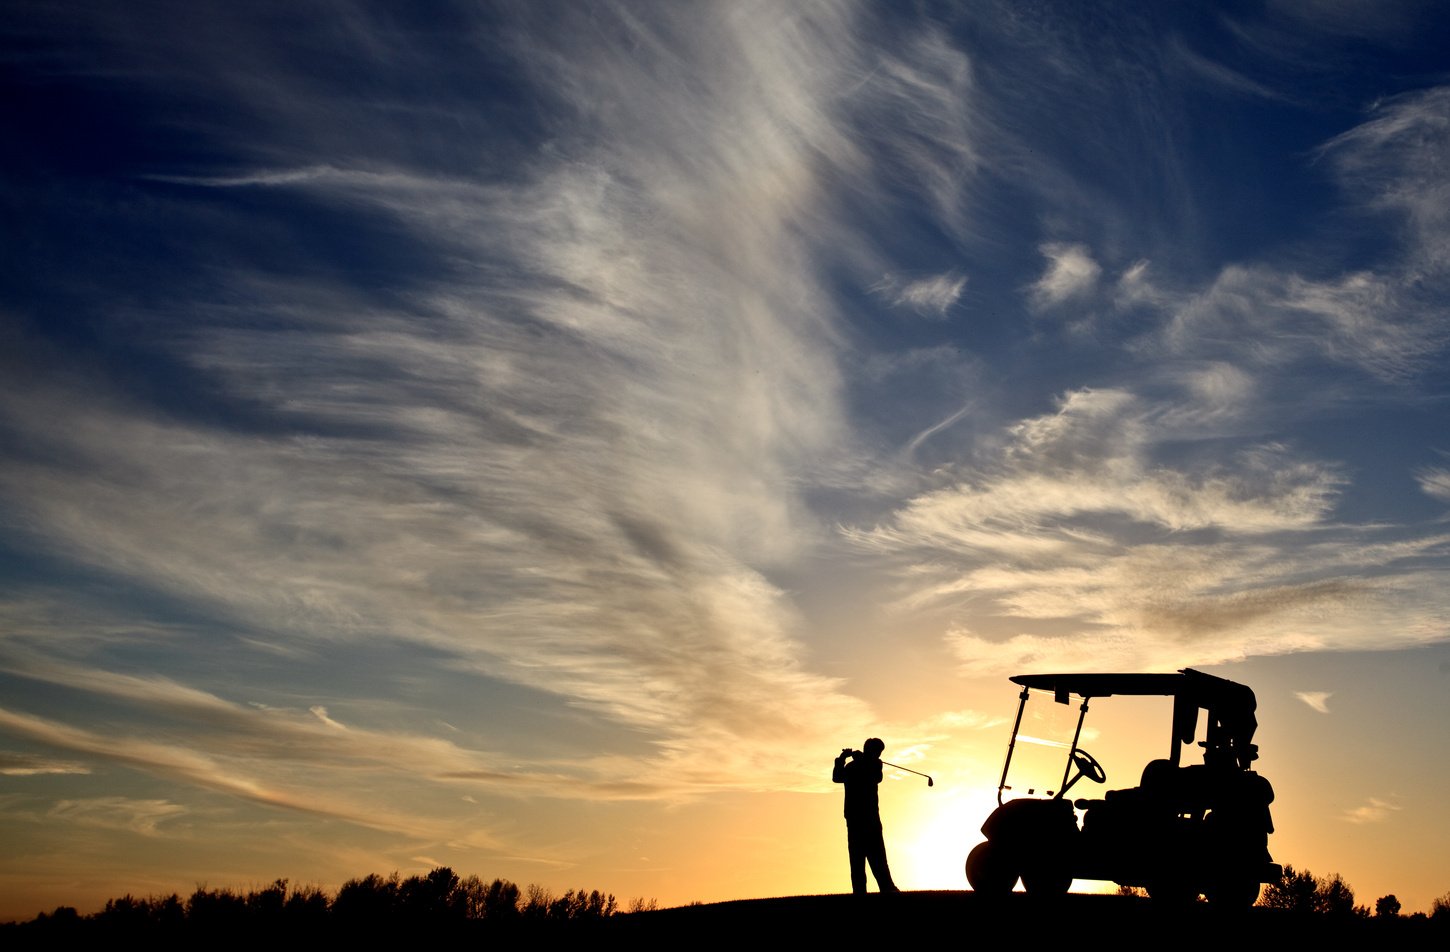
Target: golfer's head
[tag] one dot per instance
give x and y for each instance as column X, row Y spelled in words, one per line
column 873, row 747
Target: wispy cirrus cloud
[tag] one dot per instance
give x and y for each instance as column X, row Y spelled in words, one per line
column 567, row 453
column 1080, row 548
column 1392, row 162
column 14, row 764
column 136, row 816
column 1264, row 318
column 932, row 296
column 1071, row 273
column 1388, row 320
column 1317, row 700
column 1376, row 810
column 1434, row 482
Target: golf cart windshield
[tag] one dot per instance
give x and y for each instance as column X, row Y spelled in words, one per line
column 1041, row 748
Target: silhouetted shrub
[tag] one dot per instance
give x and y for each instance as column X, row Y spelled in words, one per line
column 1302, row 892
column 1386, row 907
column 306, row 907
column 433, row 897
column 1294, row 892
column 265, row 905
column 62, row 917
column 126, row 914
column 537, row 902
column 168, row 913
column 219, row 911
column 370, row 899
column 576, row 905
column 497, row 901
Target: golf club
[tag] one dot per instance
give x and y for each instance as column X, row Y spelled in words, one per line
column 929, row 782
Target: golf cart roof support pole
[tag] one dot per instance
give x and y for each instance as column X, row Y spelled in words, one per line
column 1011, row 743
column 1067, row 767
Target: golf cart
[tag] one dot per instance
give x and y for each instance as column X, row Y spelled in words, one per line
column 1184, row 830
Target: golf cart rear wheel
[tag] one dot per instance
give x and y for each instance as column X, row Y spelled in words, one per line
column 1234, row 894
column 1046, row 882
column 1171, row 892
column 990, row 870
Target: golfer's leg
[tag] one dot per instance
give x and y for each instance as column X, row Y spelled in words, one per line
column 876, row 853
column 858, row 859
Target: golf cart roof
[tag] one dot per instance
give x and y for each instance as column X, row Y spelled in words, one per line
column 1230, row 705
column 1204, row 689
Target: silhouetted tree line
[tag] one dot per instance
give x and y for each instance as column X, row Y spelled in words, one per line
column 1303, row 893
column 1300, row 891
column 438, row 900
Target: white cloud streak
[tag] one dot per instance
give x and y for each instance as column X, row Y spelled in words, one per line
column 1435, row 482
column 1394, row 162
column 136, row 816
column 1071, row 274
column 1375, row 811
column 932, row 297
column 1117, row 560
column 572, row 458
column 27, row 765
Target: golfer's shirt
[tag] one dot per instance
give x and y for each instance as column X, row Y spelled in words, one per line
column 861, row 778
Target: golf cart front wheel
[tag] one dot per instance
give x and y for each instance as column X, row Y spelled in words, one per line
column 990, row 870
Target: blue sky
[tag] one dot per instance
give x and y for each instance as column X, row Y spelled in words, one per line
column 536, row 437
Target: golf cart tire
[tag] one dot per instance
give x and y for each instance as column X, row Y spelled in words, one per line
column 1235, row 894
column 1172, row 892
column 1046, row 882
column 990, row 870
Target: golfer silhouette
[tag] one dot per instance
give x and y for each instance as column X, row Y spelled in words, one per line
column 863, row 817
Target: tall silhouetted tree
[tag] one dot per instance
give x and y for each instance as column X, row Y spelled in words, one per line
column 434, row 897
column 125, row 915
column 537, row 902
column 1334, row 897
column 306, row 908
column 218, row 912
column 371, row 899
column 1294, row 892
column 497, row 901
column 265, row 905
column 1303, row 892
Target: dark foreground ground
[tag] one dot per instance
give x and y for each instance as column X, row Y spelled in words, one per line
column 958, row 917
column 963, row 917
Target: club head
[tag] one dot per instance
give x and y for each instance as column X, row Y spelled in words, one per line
column 929, row 782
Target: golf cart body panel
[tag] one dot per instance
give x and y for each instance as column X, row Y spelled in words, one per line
column 1182, row 831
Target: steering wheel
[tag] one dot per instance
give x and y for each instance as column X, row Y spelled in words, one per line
column 1088, row 766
